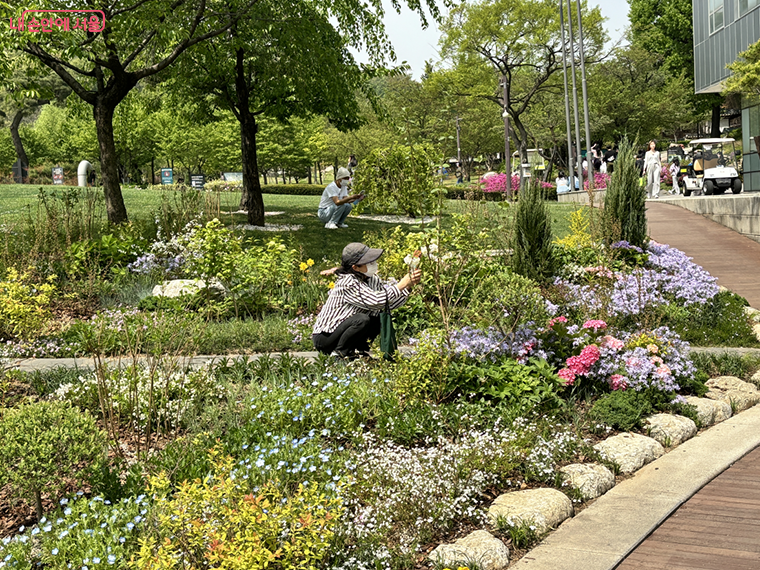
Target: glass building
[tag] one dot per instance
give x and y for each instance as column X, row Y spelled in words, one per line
column 723, row 29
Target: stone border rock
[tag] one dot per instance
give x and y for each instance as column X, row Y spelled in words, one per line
column 547, row 508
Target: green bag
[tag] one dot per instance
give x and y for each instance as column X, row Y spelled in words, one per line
column 388, row 344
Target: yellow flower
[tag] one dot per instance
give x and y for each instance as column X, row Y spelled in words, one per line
column 303, row 266
column 310, row 262
column 331, row 285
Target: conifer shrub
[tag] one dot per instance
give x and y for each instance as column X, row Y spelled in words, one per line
column 531, row 240
column 624, row 204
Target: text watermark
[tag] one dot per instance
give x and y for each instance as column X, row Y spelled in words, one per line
column 93, row 21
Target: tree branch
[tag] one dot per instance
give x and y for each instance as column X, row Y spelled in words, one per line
column 60, row 68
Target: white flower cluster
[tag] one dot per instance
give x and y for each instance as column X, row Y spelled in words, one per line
column 137, row 396
column 403, row 494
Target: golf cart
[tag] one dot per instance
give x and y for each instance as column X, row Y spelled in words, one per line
column 713, row 168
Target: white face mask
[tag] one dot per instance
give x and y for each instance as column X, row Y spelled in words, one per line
column 344, row 185
column 371, row 269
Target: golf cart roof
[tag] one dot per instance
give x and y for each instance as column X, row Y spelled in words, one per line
column 710, row 141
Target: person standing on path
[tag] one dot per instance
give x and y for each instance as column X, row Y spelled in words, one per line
column 336, row 204
column 652, row 167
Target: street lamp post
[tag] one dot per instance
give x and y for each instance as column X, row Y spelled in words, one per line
column 575, row 94
column 567, row 98
column 585, row 97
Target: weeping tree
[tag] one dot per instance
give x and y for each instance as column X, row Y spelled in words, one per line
column 624, row 203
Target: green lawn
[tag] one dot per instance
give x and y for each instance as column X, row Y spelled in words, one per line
column 17, row 200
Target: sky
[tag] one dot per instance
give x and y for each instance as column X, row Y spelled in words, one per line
column 415, row 45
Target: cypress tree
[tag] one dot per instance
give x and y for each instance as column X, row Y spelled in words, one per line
column 531, row 241
column 624, row 204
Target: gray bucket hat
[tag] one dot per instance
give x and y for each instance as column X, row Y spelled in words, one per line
column 359, row 254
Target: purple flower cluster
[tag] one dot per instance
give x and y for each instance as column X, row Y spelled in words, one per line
column 633, row 292
column 578, row 296
column 625, row 245
column 300, row 327
column 38, row 348
column 491, row 343
column 670, row 274
column 680, row 276
column 151, row 263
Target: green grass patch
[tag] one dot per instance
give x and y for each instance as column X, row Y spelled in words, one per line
column 313, row 239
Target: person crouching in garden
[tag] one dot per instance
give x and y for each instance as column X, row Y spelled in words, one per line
column 349, row 320
column 336, row 204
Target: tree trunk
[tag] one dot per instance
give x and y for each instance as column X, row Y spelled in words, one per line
column 264, row 175
column 251, row 199
column 109, row 167
column 38, row 503
column 715, row 123
column 18, row 144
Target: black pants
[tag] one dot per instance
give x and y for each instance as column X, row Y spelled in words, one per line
column 355, row 333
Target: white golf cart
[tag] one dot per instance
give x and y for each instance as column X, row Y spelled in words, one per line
column 713, row 168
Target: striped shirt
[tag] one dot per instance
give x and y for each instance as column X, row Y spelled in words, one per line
column 352, row 295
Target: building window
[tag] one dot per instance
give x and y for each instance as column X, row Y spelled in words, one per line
column 716, row 15
column 747, row 5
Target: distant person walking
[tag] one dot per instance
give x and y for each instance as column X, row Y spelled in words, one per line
column 336, row 204
column 652, row 167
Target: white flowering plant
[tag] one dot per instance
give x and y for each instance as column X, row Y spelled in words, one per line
column 145, row 398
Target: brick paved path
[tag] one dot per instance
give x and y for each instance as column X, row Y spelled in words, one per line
column 726, row 254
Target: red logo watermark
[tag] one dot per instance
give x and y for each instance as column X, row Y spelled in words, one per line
column 93, row 21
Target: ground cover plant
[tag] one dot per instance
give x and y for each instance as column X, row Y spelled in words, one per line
column 328, row 464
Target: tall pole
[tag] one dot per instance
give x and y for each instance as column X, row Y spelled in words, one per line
column 575, row 94
column 459, row 147
column 567, row 98
column 585, row 97
column 507, row 156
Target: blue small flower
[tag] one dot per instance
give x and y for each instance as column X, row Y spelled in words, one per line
column 54, row 551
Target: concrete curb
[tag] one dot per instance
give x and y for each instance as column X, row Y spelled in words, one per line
column 603, row 534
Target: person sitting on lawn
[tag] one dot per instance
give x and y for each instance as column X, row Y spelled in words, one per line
column 336, row 204
column 349, row 321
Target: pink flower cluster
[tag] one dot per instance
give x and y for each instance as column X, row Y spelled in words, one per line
column 567, row 375
column 611, row 342
column 600, row 271
column 582, row 363
column 595, row 324
column 555, row 320
column 618, row 382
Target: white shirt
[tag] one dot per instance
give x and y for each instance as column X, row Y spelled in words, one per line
column 327, row 196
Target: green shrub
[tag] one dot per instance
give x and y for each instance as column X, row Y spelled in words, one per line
column 24, row 305
column 623, row 409
column 426, row 373
column 218, row 523
column 532, row 247
column 398, row 180
column 506, row 301
column 533, row 386
column 719, row 322
column 293, row 189
column 725, row 364
column 45, row 445
column 624, row 203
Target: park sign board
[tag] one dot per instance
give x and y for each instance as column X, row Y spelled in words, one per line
column 167, row 176
column 197, row 181
column 57, row 175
